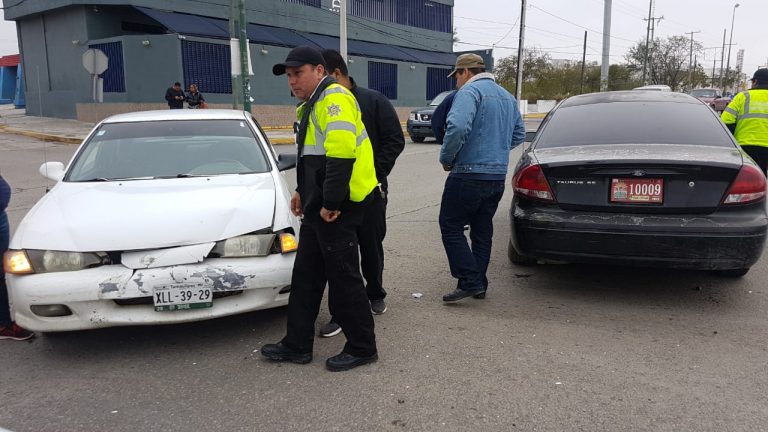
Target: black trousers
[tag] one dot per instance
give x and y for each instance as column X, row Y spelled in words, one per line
column 328, row 252
column 759, row 154
column 371, row 235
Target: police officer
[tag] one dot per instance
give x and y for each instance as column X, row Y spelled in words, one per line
column 747, row 118
column 336, row 178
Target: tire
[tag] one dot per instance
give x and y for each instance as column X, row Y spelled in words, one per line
column 734, row 273
column 418, row 139
column 516, row 258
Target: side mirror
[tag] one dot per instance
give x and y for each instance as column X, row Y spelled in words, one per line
column 286, row 161
column 52, row 170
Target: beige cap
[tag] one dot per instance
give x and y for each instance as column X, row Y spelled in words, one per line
column 468, row 61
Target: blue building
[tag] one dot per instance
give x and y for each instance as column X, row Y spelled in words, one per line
column 402, row 48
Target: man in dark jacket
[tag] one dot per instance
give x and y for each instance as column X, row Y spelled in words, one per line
column 440, row 117
column 386, row 134
column 175, row 96
column 8, row 329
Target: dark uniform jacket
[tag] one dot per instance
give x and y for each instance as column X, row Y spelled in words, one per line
column 170, row 96
column 5, row 194
column 383, row 127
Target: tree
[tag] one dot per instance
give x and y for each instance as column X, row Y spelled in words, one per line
column 668, row 60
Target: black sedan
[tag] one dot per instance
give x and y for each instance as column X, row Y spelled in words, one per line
column 641, row 179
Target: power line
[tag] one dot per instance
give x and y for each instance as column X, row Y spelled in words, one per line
column 578, row 25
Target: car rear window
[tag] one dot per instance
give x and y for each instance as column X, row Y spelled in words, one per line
column 633, row 123
column 168, row 149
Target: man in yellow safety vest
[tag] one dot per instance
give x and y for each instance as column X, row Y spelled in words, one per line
column 747, row 118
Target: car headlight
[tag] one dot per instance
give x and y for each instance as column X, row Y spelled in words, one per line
column 250, row 245
column 47, row 261
column 413, row 116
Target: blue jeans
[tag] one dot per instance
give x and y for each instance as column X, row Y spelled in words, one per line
column 5, row 312
column 473, row 203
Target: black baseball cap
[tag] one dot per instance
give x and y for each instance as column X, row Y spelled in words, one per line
column 761, row 75
column 298, row 57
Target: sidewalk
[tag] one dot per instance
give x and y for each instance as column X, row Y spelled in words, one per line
column 16, row 121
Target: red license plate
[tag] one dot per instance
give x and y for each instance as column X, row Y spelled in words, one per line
column 638, row 191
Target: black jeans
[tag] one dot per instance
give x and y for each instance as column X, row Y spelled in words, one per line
column 328, row 252
column 5, row 311
column 759, row 154
column 371, row 234
column 473, row 203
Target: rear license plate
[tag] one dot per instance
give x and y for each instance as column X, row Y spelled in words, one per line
column 182, row 296
column 637, row 191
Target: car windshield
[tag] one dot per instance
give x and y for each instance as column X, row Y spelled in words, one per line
column 703, row 93
column 439, row 98
column 169, row 149
column 633, row 123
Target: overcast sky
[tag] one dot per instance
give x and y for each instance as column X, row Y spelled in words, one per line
column 557, row 26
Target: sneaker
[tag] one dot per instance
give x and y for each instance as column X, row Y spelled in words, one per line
column 15, row 332
column 331, row 329
column 378, row 307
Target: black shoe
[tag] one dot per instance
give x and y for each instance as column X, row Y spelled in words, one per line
column 479, row 296
column 331, row 329
column 281, row 353
column 459, row 294
column 378, row 307
column 346, row 361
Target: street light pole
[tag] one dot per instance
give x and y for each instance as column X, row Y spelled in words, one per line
column 343, row 30
column 730, row 41
column 520, row 54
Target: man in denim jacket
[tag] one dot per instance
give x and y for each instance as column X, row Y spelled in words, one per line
column 483, row 125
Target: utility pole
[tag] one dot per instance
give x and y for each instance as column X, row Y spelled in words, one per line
column 343, row 30
column 244, row 57
column 730, row 42
column 690, row 60
column 520, row 54
column 714, row 61
column 605, row 67
column 722, row 59
column 583, row 63
column 652, row 20
column 233, row 32
column 647, row 36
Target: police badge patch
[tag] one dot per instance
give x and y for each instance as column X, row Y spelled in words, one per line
column 333, row 110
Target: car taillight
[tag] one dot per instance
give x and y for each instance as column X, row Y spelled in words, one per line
column 748, row 187
column 530, row 182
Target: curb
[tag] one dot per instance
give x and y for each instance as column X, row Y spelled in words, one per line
column 281, row 141
column 42, row 136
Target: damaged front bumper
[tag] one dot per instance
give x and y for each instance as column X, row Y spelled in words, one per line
column 114, row 295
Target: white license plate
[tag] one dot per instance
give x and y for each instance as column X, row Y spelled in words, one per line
column 182, row 296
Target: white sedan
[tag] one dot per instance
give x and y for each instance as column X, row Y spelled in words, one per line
column 160, row 217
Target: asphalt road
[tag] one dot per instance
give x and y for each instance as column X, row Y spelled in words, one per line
column 552, row 348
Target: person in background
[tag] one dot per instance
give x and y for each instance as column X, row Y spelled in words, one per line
column 386, row 135
column 746, row 116
column 440, row 117
column 8, row 329
column 484, row 124
column 175, row 96
column 194, row 98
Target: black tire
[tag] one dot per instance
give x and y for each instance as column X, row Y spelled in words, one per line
column 516, row 258
column 734, row 273
column 418, row 139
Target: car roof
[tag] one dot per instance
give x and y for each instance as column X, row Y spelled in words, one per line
column 177, row 114
column 628, row 96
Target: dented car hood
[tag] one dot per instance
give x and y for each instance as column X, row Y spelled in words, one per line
column 147, row 214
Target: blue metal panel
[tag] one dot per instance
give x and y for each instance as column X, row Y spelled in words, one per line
column 313, row 3
column 382, row 77
column 208, row 65
column 114, row 76
column 438, row 81
column 424, row 14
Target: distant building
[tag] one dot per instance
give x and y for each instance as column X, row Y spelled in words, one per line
column 402, row 48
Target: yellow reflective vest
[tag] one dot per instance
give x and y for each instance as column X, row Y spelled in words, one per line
column 749, row 111
column 336, row 130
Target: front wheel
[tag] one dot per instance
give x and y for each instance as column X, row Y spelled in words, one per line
column 732, row 272
column 516, row 258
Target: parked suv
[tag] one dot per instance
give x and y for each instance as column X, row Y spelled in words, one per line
column 711, row 97
column 420, row 120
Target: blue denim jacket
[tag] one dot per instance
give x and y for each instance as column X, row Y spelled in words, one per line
column 484, row 124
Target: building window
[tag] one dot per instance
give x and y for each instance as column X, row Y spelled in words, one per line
column 382, row 77
column 438, row 81
column 114, row 76
column 207, row 65
column 424, row 14
column 313, row 3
